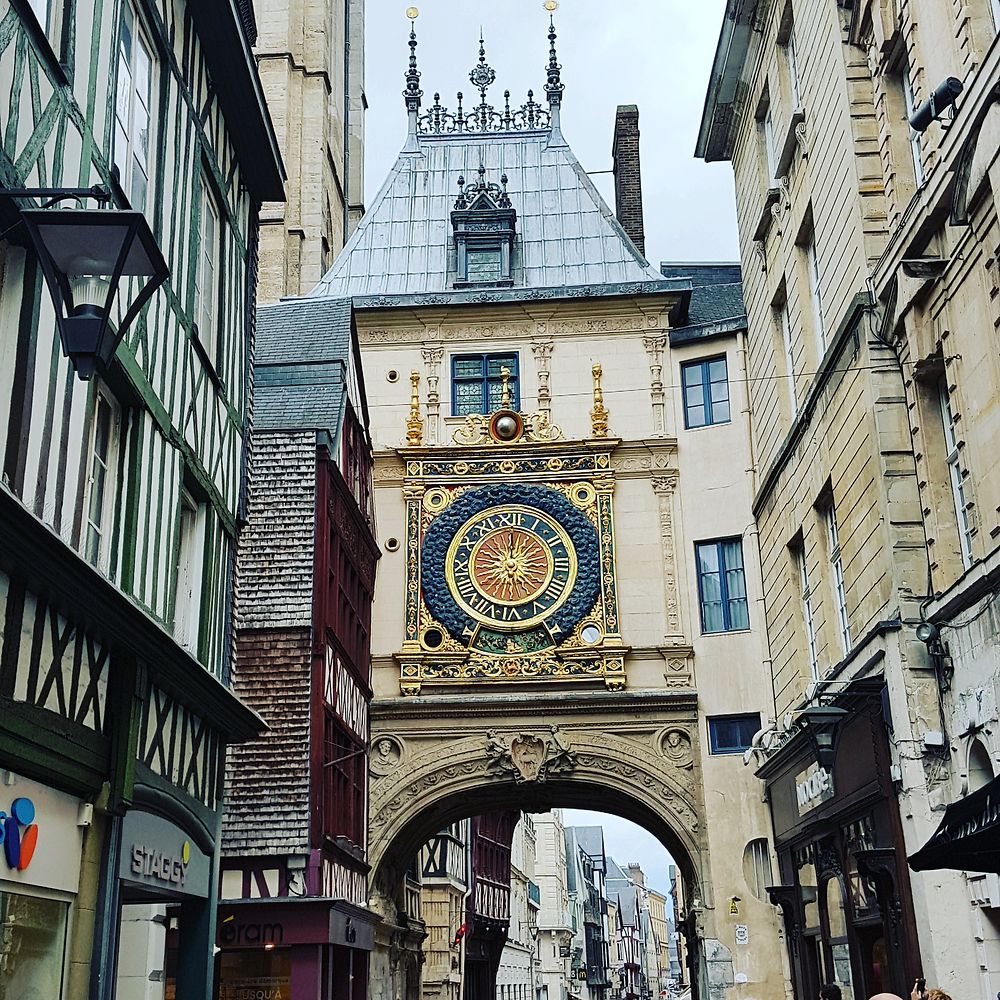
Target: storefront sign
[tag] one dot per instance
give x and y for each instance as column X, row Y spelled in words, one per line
column 294, row 922
column 19, row 833
column 41, row 838
column 157, row 854
column 813, row 786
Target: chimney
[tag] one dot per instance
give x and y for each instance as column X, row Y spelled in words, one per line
column 634, row 870
column 628, row 176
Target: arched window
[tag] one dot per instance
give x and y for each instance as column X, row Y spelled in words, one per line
column 757, row 867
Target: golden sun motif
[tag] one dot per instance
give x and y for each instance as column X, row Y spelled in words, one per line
column 512, row 565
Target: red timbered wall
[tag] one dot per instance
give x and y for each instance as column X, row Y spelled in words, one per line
column 346, row 554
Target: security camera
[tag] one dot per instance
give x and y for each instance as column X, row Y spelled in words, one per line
column 942, row 98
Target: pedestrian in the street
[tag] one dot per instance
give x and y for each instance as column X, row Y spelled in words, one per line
column 830, row 991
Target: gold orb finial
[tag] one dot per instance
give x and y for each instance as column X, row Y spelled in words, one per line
column 551, row 6
column 414, row 424
column 599, row 414
column 413, row 13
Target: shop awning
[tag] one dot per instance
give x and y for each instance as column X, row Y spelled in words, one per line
column 968, row 837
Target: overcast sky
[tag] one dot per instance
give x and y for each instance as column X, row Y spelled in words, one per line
column 656, row 54
column 626, row 842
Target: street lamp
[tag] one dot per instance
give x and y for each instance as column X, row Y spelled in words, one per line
column 84, row 254
column 821, row 722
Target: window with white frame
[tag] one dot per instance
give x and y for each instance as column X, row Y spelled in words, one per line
column 190, row 565
column 956, row 474
column 815, row 294
column 206, row 287
column 785, row 325
column 808, row 618
column 132, row 151
column 910, row 100
column 757, row 867
column 837, row 569
column 769, row 150
column 793, row 70
column 101, row 481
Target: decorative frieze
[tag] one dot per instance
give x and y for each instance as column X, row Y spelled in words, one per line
column 433, row 354
column 664, row 485
column 541, row 348
column 655, row 343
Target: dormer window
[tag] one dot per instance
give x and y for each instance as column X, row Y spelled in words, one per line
column 484, row 223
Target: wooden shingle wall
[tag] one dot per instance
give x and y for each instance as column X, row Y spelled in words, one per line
column 267, row 784
column 274, row 573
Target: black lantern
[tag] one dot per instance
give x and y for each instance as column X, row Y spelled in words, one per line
column 84, row 254
column 820, row 723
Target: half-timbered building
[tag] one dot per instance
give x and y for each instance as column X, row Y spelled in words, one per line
column 295, row 875
column 121, row 494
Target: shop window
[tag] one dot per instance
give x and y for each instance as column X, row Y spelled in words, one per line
column 757, row 867
column 255, row 973
column 132, row 148
column 839, row 957
column 722, row 585
column 732, row 733
column 32, row 945
column 101, row 480
column 706, row 392
column 477, row 383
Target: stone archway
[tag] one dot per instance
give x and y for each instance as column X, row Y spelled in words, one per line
column 439, row 759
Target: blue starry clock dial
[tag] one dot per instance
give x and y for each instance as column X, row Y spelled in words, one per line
column 507, row 563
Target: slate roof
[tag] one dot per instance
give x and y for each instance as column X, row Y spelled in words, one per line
column 300, row 372
column 566, row 235
column 715, row 305
column 590, row 839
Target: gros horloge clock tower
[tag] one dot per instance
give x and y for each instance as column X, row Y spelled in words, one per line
column 510, row 553
column 566, row 611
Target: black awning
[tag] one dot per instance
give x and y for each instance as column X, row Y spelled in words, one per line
column 968, row 837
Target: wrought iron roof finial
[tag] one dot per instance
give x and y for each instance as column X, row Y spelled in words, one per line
column 412, row 93
column 554, row 86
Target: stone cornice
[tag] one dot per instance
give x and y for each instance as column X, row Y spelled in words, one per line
column 534, row 703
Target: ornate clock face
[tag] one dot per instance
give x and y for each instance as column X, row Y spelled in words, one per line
column 511, row 568
column 509, row 565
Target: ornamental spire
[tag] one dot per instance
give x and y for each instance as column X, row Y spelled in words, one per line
column 554, row 86
column 412, row 93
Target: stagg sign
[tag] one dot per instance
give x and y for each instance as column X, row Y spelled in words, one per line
column 813, row 787
column 156, row 854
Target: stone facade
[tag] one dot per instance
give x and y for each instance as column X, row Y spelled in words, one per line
column 869, row 274
column 311, row 60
